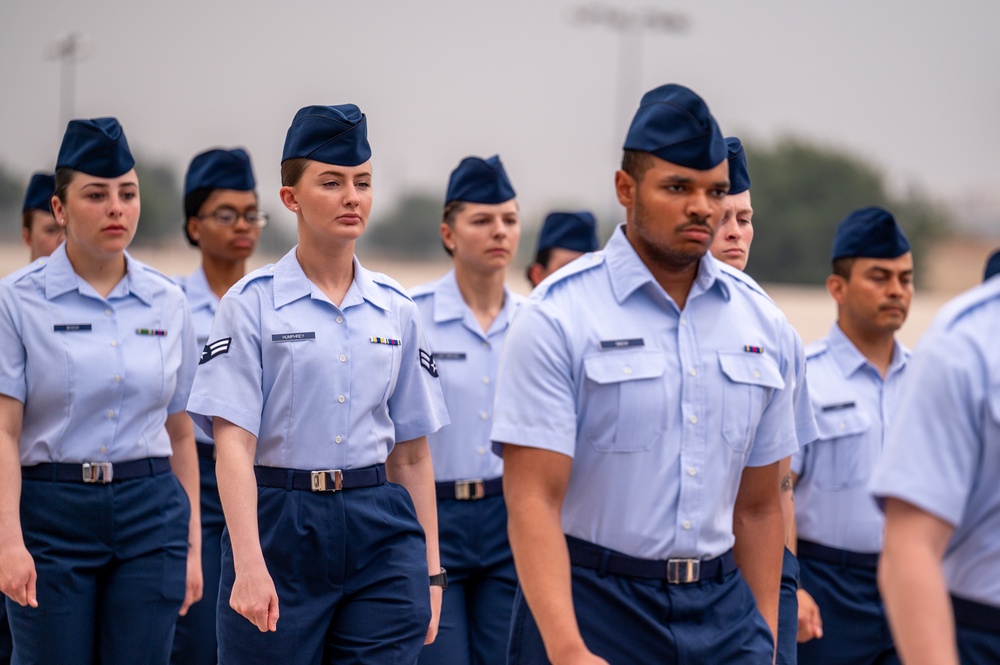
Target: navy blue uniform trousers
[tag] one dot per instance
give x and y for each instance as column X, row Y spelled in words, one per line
column 788, row 611
column 630, row 620
column 112, row 565
column 194, row 641
column 475, row 613
column 350, row 571
column 977, row 628
column 855, row 629
column 6, row 645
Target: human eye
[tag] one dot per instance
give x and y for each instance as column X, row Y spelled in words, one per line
column 225, row 216
column 95, row 195
column 364, row 184
column 128, row 195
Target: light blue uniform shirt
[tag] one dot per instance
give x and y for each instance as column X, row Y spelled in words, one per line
column 204, row 304
column 97, row 376
column 943, row 450
column 467, row 359
column 660, row 409
column 854, row 408
column 320, row 386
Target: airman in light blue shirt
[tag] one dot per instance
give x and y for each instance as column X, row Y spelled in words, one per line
column 938, row 482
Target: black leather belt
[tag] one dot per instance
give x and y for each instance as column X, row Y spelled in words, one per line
column 972, row 614
column 672, row 571
column 206, row 450
column 322, row 480
column 810, row 550
column 468, row 490
column 96, row 472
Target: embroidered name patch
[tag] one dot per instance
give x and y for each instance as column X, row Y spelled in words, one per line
column 151, row 331
column 214, row 349
column 622, row 343
column 72, row 327
column 838, row 407
column 753, row 349
column 449, row 356
column 427, row 362
column 292, row 337
column 385, row 340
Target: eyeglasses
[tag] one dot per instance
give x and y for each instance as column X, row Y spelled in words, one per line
column 229, row 217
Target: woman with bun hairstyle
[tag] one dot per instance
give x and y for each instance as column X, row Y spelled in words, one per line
column 320, row 391
column 101, row 541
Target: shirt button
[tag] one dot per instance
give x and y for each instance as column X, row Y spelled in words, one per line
column 340, row 399
column 104, row 449
column 687, row 524
column 684, row 322
column 111, row 413
column 107, row 312
column 114, row 343
column 486, row 345
column 486, row 379
column 339, row 439
column 482, row 451
column 692, row 371
column 841, row 425
column 343, row 358
column 756, row 374
column 118, row 378
column 692, row 471
column 628, row 370
column 694, row 420
column 483, row 415
column 340, row 319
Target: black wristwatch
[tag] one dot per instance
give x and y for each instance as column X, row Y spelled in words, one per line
column 441, row 579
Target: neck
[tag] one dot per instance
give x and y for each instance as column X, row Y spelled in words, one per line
column 876, row 346
column 222, row 274
column 675, row 272
column 330, row 267
column 483, row 292
column 101, row 272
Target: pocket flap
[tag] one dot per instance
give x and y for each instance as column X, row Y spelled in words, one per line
column 842, row 422
column 618, row 366
column 753, row 368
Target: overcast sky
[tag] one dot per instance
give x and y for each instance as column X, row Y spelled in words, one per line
column 912, row 85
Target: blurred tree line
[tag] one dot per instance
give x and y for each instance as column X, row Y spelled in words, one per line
column 801, row 190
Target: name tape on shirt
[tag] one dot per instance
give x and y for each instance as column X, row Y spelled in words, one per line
column 292, row 337
column 840, row 406
column 72, row 327
column 753, row 349
column 216, row 348
column 385, row 340
column 151, row 331
column 622, row 343
column 445, row 355
column 427, row 362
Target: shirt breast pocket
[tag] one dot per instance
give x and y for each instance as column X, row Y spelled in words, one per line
column 750, row 381
column 842, row 452
column 624, row 402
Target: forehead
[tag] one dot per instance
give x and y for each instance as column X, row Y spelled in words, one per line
column 320, row 168
column 903, row 263
column 505, row 208
column 662, row 170
column 739, row 202
column 230, row 197
column 81, row 180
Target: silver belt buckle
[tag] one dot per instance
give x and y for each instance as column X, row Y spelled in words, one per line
column 683, row 571
column 98, row 472
column 328, row 480
column 470, row 490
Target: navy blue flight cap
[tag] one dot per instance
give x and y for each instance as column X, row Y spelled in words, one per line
column 675, row 124
column 569, row 230
column 870, row 233
column 220, row 169
column 739, row 177
column 477, row 180
column 329, row 134
column 96, row 147
column 41, row 187
column 992, row 265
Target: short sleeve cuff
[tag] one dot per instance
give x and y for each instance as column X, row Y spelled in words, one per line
column 202, row 409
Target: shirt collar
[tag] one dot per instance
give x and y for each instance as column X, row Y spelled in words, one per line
column 628, row 273
column 198, row 292
column 60, row 278
column 850, row 359
column 449, row 305
column 290, row 284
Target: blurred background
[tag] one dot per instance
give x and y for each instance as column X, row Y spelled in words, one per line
column 840, row 105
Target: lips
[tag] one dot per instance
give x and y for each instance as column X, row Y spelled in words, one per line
column 115, row 229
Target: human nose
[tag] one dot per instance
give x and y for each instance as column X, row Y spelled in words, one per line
column 351, row 196
column 699, row 206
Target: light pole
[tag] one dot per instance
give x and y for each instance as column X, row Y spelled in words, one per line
column 630, row 26
column 69, row 49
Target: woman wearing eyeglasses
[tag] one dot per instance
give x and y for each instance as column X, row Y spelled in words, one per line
column 223, row 222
